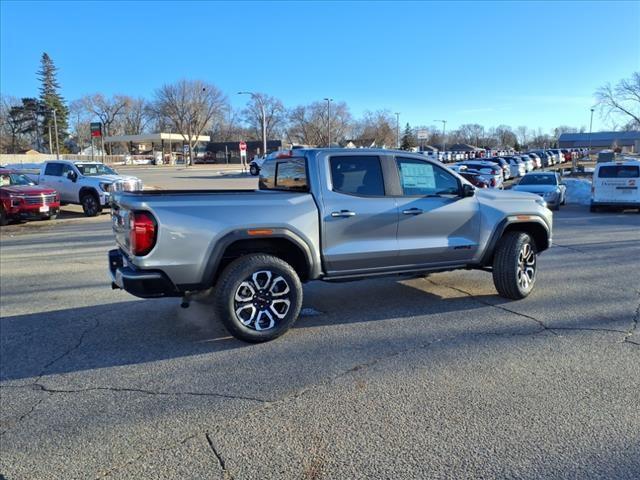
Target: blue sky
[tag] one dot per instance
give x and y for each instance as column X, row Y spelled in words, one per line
column 520, row 63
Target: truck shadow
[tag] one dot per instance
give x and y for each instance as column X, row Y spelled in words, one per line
column 149, row 331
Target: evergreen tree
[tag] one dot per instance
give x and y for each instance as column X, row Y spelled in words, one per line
column 408, row 139
column 50, row 100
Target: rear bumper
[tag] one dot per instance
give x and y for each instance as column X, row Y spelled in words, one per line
column 141, row 283
column 616, row 204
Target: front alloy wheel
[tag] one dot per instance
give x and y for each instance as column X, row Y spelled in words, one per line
column 515, row 265
column 90, row 205
column 526, row 266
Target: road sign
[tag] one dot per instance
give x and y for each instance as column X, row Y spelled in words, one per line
column 185, row 149
column 243, row 146
column 96, row 129
column 422, row 134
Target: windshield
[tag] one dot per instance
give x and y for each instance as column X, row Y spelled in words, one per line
column 538, row 180
column 92, row 169
column 619, row 171
column 14, row 179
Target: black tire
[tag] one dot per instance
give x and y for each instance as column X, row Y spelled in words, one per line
column 246, row 290
column 50, row 217
column 515, row 265
column 4, row 220
column 254, row 170
column 90, row 204
column 594, row 209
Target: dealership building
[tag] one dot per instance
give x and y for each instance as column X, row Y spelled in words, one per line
column 628, row 142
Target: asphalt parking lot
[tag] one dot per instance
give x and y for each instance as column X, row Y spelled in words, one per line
column 435, row 377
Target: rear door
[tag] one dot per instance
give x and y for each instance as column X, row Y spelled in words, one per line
column 358, row 216
column 436, row 225
column 617, row 184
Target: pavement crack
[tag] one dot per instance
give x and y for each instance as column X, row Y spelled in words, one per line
column 540, row 323
column 568, row 247
column 25, row 415
column 634, row 326
column 219, row 457
column 70, row 350
column 544, row 326
column 44, row 388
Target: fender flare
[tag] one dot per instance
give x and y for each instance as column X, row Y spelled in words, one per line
column 221, row 245
column 500, row 228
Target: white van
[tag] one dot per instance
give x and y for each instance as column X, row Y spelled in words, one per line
column 616, row 184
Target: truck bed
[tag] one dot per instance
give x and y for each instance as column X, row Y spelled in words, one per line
column 191, row 222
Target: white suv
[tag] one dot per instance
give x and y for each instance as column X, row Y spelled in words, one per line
column 616, row 184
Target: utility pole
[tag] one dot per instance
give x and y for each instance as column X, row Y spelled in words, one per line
column 444, row 132
column 55, row 129
column 397, row 130
column 258, row 99
column 329, row 100
column 590, row 127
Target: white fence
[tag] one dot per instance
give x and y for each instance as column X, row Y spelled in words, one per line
column 11, row 159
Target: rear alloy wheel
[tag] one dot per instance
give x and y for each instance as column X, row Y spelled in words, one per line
column 254, row 170
column 515, row 265
column 90, row 205
column 258, row 297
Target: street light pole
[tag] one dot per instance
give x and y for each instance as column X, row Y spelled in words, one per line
column 397, row 130
column 55, row 129
column 258, row 99
column 444, row 132
column 328, row 100
column 590, row 127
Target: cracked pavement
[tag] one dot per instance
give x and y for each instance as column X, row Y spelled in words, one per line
column 434, row 377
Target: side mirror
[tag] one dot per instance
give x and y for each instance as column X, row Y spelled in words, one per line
column 468, row 190
column 72, row 176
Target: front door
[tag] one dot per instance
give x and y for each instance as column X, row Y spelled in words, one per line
column 359, row 218
column 436, row 225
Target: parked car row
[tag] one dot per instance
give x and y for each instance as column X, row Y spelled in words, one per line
column 28, row 195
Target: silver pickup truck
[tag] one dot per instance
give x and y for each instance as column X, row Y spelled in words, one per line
column 322, row 214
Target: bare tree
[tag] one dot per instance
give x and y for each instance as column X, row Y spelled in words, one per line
column 378, row 126
column 191, row 107
column 308, row 123
column 623, row 100
column 135, row 117
column 275, row 115
column 11, row 125
column 523, row 134
column 108, row 110
column 470, row 133
column 80, row 123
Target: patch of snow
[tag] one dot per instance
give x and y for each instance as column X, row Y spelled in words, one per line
column 578, row 190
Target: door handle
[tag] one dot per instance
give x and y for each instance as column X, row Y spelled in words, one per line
column 412, row 211
column 343, row 213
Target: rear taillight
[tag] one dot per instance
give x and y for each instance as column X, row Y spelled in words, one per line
column 493, row 182
column 142, row 232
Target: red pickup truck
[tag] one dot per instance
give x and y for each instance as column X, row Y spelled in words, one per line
column 21, row 199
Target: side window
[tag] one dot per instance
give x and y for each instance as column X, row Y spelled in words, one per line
column 53, row 169
column 292, row 175
column 357, row 175
column 66, row 169
column 286, row 174
column 423, row 178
